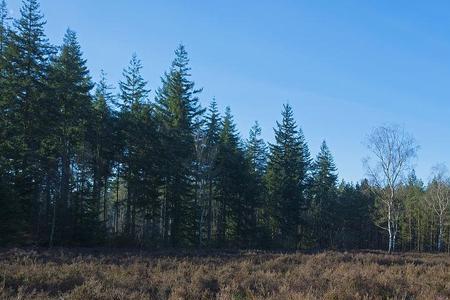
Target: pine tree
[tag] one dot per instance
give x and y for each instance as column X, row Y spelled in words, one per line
column 140, row 151
column 12, row 224
column 324, row 193
column 133, row 94
column 230, row 183
column 256, row 156
column 25, row 97
column 101, row 138
column 213, row 128
column 133, row 91
column 287, row 173
column 257, row 150
column 206, row 145
column 71, row 85
column 179, row 112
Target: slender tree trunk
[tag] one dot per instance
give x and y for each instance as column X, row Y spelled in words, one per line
column 105, row 211
column 209, row 212
column 390, row 247
column 116, row 205
column 441, row 233
column 52, row 230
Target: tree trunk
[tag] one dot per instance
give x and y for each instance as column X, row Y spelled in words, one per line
column 441, row 232
column 209, row 212
column 52, row 231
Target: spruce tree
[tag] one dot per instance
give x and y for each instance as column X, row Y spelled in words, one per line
column 101, row 138
column 71, row 85
column 179, row 112
column 133, row 87
column 288, row 168
column 256, row 156
column 206, row 144
column 324, row 198
column 213, row 128
column 140, row 151
column 12, row 224
column 229, row 168
column 25, row 97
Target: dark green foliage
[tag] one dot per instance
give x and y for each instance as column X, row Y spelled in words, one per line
column 287, row 173
column 26, row 110
column 235, row 206
column 211, row 147
column 139, row 153
column 256, row 154
column 353, row 223
column 102, row 143
column 323, row 195
column 179, row 112
column 70, row 92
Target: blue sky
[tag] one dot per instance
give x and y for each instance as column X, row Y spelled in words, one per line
column 344, row 66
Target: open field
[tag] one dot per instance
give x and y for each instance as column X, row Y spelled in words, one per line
column 99, row 274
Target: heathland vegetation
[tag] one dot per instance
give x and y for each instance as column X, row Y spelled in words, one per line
column 82, row 165
column 103, row 274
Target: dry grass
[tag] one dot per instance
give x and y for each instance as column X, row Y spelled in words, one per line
column 95, row 274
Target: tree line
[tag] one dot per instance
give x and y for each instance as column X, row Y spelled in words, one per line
column 83, row 165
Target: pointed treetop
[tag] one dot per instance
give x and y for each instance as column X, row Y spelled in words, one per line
column 70, row 37
column 324, row 164
column 181, row 60
column 286, row 132
column 213, row 116
column 133, row 88
column 229, row 134
column 103, row 94
column 31, row 19
column 177, row 100
column 255, row 131
column 212, row 123
column 71, row 44
column 71, row 59
column 257, row 149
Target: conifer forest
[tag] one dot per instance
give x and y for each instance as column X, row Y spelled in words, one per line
column 83, row 164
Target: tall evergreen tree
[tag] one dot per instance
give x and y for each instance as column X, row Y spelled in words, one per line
column 257, row 150
column 102, row 142
column 230, row 167
column 288, row 168
column 179, row 111
column 11, row 225
column 256, row 156
column 140, row 151
column 71, row 85
column 213, row 128
column 25, row 97
column 133, row 87
column 324, row 196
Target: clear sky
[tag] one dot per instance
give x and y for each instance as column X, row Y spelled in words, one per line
column 344, row 66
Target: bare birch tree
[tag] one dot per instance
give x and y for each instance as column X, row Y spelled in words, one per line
column 392, row 151
column 438, row 198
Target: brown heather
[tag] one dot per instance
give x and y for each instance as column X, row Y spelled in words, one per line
column 101, row 274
